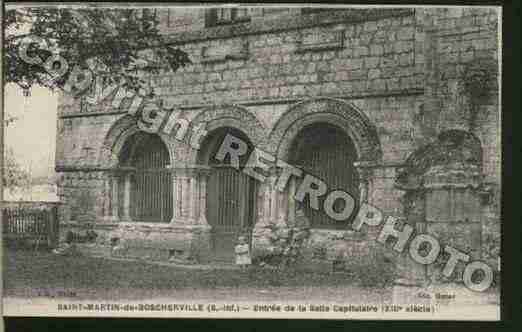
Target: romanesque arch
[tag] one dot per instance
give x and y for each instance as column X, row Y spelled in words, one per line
column 228, row 116
column 332, row 111
column 346, row 141
column 145, row 174
column 120, row 180
column 230, row 193
column 118, row 135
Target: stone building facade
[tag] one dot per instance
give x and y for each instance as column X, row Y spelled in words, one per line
column 401, row 104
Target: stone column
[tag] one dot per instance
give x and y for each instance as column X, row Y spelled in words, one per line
column 366, row 180
column 275, row 198
column 270, row 207
column 189, row 195
column 127, row 180
column 368, row 173
column 271, row 211
column 107, row 193
column 204, row 173
column 111, row 205
column 263, row 204
column 189, row 208
column 180, row 180
column 290, row 201
column 115, row 201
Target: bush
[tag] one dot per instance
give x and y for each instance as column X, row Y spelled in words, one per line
column 491, row 253
column 373, row 269
column 491, row 246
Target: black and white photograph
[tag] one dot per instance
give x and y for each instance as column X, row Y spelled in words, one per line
column 300, row 161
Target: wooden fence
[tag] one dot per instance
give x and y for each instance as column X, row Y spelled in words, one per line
column 38, row 226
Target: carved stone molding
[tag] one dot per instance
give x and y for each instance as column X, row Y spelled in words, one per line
column 453, row 147
column 189, row 195
column 337, row 112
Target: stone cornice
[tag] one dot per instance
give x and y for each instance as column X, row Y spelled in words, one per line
column 267, row 101
column 63, row 168
column 199, row 168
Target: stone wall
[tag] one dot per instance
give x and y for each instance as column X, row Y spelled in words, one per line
column 463, row 39
column 406, row 71
column 372, row 57
column 466, row 75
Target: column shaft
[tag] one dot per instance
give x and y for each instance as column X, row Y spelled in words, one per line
column 270, row 203
column 189, row 195
column 291, row 201
column 115, row 197
column 194, row 197
column 107, row 210
column 203, row 199
column 274, row 193
column 127, row 197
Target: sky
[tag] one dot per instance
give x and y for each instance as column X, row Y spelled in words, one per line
column 33, row 135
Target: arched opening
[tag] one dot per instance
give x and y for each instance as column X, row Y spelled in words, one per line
column 145, row 159
column 231, row 194
column 326, row 152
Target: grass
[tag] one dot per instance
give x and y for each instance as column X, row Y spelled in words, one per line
column 27, row 273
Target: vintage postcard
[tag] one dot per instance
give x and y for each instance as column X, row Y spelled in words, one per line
column 258, row 161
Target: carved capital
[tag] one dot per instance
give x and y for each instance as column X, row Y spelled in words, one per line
column 190, row 170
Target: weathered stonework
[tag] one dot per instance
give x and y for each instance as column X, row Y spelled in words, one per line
column 391, row 80
column 442, row 183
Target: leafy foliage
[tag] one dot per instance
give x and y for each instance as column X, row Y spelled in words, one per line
column 479, row 81
column 373, row 269
column 491, row 246
column 479, row 78
column 14, row 176
column 110, row 42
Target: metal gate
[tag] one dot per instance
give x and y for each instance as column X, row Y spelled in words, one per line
column 231, row 194
column 151, row 183
column 231, row 201
column 39, row 225
column 326, row 152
